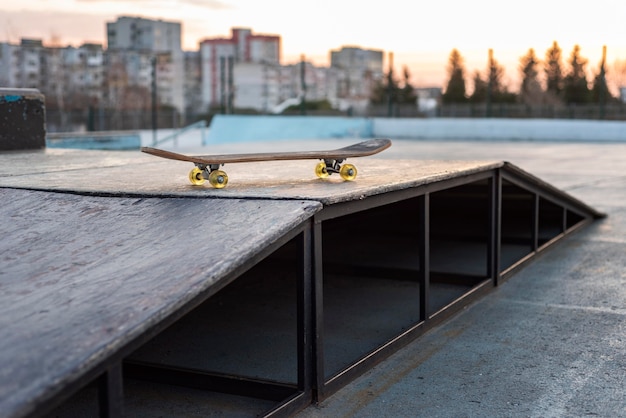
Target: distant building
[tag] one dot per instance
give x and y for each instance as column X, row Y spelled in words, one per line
column 622, row 94
column 139, row 34
column 84, row 67
column 320, row 83
column 193, row 83
column 428, row 98
column 9, row 71
column 243, row 47
column 29, row 63
column 76, row 73
column 136, row 41
column 258, row 85
column 358, row 71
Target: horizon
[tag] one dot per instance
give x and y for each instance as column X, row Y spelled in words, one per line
column 314, row 35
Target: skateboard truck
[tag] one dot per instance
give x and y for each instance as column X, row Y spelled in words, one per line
column 330, row 166
column 211, row 172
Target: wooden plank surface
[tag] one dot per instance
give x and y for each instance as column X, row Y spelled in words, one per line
column 135, row 173
column 82, row 276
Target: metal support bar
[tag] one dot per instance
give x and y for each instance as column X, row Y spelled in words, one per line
column 318, row 306
column 495, row 229
column 305, row 310
column 111, row 392
column 200, row 379
column 534, row 232
column 424, row 255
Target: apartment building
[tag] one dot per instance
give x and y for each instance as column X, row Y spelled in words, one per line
column 243, row 70
column 357, row 70
column 137, row 45
column 258, row 55
column 57, row 71
column 9, row 71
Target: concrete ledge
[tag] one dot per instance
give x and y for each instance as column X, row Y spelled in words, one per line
column 247, row 128
column 111, row 140
column 22, row 119
column 502, row 129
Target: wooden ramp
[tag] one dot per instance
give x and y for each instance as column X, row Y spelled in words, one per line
column 125, row 289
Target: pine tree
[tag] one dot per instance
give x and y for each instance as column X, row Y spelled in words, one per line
column 492, row 89
column 575, row 85
column 600, row 91
column 479, row 95
column 407, row 93
column 530, row 91
column 495, row 74
column 385, row 90
column 554, row 72
column 455, row 90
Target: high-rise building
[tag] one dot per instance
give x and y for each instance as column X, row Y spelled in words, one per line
column 243, row 47
column 359, row 70
column 9, row 71
column 141, row 34
column 136, row 40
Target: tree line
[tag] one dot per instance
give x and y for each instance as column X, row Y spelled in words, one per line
column 542, row 82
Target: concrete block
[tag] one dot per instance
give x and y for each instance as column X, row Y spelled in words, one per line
column 22, row 119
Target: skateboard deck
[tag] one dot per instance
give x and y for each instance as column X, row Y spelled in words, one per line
column 207, row 166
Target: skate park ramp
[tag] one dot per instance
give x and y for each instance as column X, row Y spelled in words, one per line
column 126, row 288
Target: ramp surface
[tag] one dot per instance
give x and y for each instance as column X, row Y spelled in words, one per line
column 83, row 278
column 130, row 247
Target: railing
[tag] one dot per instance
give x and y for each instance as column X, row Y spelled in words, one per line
column 174, row 136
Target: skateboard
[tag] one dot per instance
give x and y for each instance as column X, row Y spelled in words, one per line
column 207, row 167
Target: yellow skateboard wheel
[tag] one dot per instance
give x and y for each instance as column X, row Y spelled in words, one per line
column 195, row 177
column 347, row 172
column 320, row 170
column 218, row 179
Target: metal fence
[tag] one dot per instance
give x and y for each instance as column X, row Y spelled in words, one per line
column 613, row 111
column 136, row 119
column 93, row 119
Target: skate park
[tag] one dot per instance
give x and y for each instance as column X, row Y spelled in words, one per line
column 478, row 276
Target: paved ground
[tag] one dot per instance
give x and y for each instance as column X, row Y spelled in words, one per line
column 550, row 342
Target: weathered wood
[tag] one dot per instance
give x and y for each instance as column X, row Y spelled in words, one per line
column 130, row 173
column 82, row 277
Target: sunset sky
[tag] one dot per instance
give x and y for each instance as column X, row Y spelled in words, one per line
column 420, row 34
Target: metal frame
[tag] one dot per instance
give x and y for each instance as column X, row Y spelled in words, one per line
column 108, row 378
column 495, row 274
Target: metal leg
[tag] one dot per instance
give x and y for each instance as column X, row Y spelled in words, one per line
column 495, row 233
column 534, row 232
column 111, row 392
column 424, row 255
column 305, row 311
column 318, row 312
